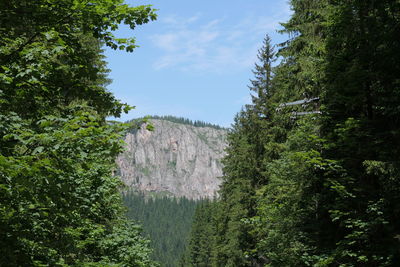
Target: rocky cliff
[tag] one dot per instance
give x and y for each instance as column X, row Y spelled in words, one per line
column 175, row 158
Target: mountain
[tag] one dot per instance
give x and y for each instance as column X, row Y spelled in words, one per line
column 178, row 159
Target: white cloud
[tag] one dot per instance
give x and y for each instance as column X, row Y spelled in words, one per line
column 166, row 41
column 175, row 22
column 190, row 44
column 211, row 24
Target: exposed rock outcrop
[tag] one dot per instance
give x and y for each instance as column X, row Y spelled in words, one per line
column 180, row 159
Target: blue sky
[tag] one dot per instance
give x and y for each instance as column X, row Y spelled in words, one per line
column 195, row 61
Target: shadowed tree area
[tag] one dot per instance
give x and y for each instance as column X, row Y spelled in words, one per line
column 166, row 221
column 315, row 183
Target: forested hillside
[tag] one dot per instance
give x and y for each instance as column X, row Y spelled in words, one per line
column 166, row 221
column 187, row 121
column 312, row 171
column 169, row 168
column 312, row 175
column 60, row 205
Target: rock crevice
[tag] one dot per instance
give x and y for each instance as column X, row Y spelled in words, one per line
column 180, row 159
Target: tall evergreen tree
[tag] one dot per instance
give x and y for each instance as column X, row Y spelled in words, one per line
column 166, row 221
column 309, row 189
column 243, row 170
column 362, row 127
column 262, row 82
column 199, row 251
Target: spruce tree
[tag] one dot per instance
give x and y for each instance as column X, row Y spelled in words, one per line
column 362, row 127
column 243, row 170
column 262, row 82
column 321, row 188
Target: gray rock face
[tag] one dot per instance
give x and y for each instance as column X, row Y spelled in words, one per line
column 175, row 158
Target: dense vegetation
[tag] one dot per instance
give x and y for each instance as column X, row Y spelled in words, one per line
column 181, row 120
column 319, row 188
column 59, row 202
column 198, row 250
column 166, row 220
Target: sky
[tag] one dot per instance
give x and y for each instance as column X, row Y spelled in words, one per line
column 195, row 61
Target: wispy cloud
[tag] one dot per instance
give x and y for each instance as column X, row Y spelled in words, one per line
column 216, row 45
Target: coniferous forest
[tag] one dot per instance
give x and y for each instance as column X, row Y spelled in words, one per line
column 312, row 171
column 166, row 221
column 312, row 175
column 185, row 121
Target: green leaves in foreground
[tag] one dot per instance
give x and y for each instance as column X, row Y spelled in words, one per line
column 59, row 201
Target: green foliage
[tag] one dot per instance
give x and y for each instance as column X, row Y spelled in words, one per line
column 166, row 220
column 60, row 204
column 242, row 175
column 316, row 190
column 185, row 121
column 50, row 56
column 362, row 84
column 125, row 246
column 59, row 199
column 199, row 250
column 243, row 170
column 290, row 213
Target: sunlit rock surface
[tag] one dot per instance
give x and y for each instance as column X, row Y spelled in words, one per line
column 174, row 158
